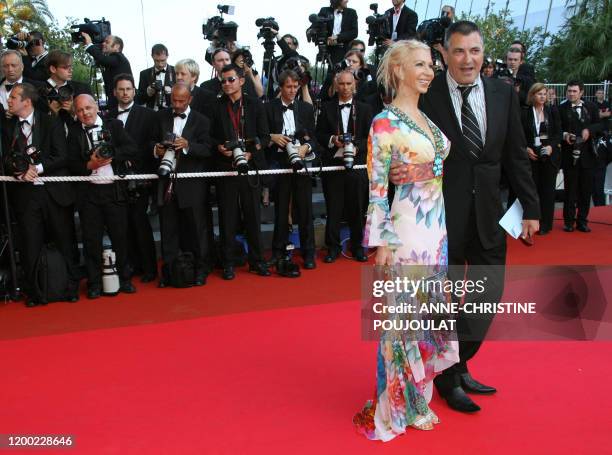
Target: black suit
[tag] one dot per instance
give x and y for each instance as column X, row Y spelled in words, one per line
column 472, row 201
column 240, row 191
column 141, row 244
column 344, row 191
column 348, row 31
column 38, row 72
column 44, row 212
column 146, row 79
column 214, row 85
column 203, row 100
column 112, row 64
column 406, row 25
column 292, row 187
column 184, row 226
column 578, row 175
column 544, row 171
column 101, row 205
column 40, row 104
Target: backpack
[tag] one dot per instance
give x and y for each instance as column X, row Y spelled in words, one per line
column 182, row 270
column 51, row 275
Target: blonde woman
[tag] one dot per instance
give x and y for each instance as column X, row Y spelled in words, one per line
column 412, row 232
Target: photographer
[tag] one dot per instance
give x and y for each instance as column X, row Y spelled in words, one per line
column 221, row 58
column 342, row 30
column 542, row 127
column 183, row 145
column 101, row 203
column 342, row 131
column 34, row 55
column 604, row 150
column 187, row 73
column 137, row 121
column 355, row 63
column 579, row 121
column 402, row 22
column 521, row 73
column 243, row 59
column 11, row 64
column 60, row 89
column 109, row 56
column 156, row 82
column 291, row 119
column 34, row 145
column 239, row 127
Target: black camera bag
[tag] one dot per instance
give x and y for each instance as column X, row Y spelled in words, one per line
column 182, row 270
column 51, row 275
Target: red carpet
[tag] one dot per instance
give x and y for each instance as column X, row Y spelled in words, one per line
column 226, row 369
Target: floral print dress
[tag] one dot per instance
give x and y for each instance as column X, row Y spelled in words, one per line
column 414, row 229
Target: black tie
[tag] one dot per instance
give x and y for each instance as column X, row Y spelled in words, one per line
column 345, row 106
column 9, row 87
column 183, row 115
column 287, row 107
column 157, row 73
column 124, row 112
column 469, row 124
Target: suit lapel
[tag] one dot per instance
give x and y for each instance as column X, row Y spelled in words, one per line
column 493, row 112
column 36, row 130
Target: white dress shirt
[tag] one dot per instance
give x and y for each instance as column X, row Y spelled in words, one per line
column 288, row 120
column 476, row 98
column 107, row 169
column 345, row 114
column 337, row 22
column 396, row 15
column 123, row 116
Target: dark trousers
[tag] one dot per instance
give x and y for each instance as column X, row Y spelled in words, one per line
column 545, row 178
column 336, row 53
column 43, row 220
column 578, row 184
column 235, row 196
column 98, row 208
column 472, row 261
column 185, row 230
column 296, row 188
column 345, row 192
column 141, row 248
column 599, row 180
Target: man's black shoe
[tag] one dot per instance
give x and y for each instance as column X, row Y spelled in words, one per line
column 459, row 401
column 228, row 273
column 273, row 260
column 471, row 385
column 288, row 269
column 31, row 303
column 94, row 293
column 568, row 228
column 360, row 256
column 200, row 279
column 543, row 231
column 127, row 287
column 332, row 255
column 148, row 277
column 309, row 263
column 72, row 297
column 260, row 269
column 583, row 228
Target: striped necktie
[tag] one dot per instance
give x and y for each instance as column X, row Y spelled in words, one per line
column 469, row 124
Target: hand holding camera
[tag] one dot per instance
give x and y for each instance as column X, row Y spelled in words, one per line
column 280, row 139
column 86, row 38
column 96, row 161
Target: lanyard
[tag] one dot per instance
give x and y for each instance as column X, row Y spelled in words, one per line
column 237, row 118
column 353, row 114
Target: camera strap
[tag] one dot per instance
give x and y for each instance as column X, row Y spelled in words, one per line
column 352, row 116
column 237, row 118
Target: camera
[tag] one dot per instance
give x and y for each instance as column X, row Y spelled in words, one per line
column 318, row 32
column 239, row 160
column 293, row 151
column 266, row 25
column 541, row 141
column 378, row 27
column 501, row 69
column 348, row 156
column 360, row 74
column 59, row 94
column 14, row 43
column 216, row 29
column 101, row 141
column 168, row 162
column 247, row 57
column 576, row 141
column 295, row 64
column 432, row 31
column 98, row 30
column 20, row 162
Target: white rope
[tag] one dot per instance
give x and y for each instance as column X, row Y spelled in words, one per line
column 184, row 175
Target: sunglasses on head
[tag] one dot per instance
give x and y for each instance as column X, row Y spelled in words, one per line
column 229, row 80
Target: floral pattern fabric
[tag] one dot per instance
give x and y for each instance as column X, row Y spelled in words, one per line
column 414, row 228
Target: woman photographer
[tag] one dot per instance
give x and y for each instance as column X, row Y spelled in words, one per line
column 542, row 127
column 244, row 59
column 355, row 61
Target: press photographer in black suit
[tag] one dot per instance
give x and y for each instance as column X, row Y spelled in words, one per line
column 155, row 83
column 579, row 122
column 342, row 30
column 182, row 202
column 237, row 117
column 109, row 56
column 138, row 122
column 287, row 118
column 221, row 58
column 34, row 56
column 344, row 191
column 34, row 145
column 11, row 64
column 402, row 22
column 101, row 203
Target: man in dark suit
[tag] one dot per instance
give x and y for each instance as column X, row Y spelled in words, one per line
column 402, row 22
column 182, row 201
column 188, row 73
column 138, row 122
column 44, row 210
column 342, row 29
column 481, row 118
column 102, row 202
column 221, row 58
column 345, row 191
column 287, row 118
column 11, row 64
column 579, row 123
column 237, row 117
column 155, row 83
column 34, row 56
column 109, row 56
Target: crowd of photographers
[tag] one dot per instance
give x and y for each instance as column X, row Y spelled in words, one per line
column 288, row 116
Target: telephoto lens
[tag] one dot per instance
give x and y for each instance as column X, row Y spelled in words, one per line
column 294, row 156
column 349, row 150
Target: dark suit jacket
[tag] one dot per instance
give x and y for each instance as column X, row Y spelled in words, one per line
column 78, row 88
column 39, row 72
column 146, row 78
column 256, row 127
column 467, row 177
column 406, row 25
column 303, row 115
column 188, row 192
column 348, row 29
column 78, row 155
column 140, row 126
column 48, row 136
column 214, row 85
column 554, row 130
column 330, row 124
column 112, row 64
column 40, row 104
column 203, row 100
column 570, row 123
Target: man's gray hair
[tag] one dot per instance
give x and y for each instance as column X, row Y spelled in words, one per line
column 463, row 28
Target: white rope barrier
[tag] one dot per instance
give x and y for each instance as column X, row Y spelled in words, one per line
column 185, row 175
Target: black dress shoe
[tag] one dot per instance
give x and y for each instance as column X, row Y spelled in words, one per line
column 31, row 303
column 200, row 279
column 459, row 401
column 360, row 256
column 260, row 269
column 332, row 255
column 228, row 273
column 288, row 269
column 273, row 260
column 72, row 298
column 568, row 228
column 543, row 231
column 309, row 263
column 148, row 277
column 471, row 385
column 127, row 287
column 94, row 293
column 583, row 228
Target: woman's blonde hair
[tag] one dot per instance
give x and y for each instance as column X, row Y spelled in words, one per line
column 396, row 57
column 535, row 88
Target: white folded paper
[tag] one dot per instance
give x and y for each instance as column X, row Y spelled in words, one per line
column 512, row 221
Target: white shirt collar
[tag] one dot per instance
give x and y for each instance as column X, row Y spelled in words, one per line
column 129, row 106
column 453, row 84
column 41, row 56
column 98, row 123
column 345, row 102
column 18, row 81
column 286, row 104
column 29, row 118
column 54, row 84
column 187, row 112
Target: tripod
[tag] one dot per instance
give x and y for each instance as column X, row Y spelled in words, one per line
column 323, row 63
column 269, row 68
